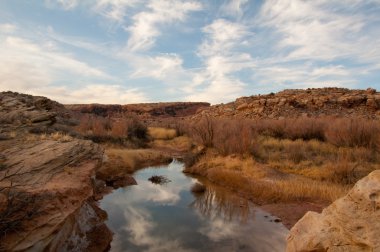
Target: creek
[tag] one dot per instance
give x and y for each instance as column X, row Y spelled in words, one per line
column 169, row 217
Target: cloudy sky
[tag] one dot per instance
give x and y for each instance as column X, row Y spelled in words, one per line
column 128, row 51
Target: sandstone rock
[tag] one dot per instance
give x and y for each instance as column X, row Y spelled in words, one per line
column 371, row 91
column 371, row 103
column 242, row 106
column 27, row 112
column 43, row 117
column 349, row 224
column 46, row 186
column 59, row 175
column 317, row 102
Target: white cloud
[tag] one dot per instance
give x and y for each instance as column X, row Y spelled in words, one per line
column 145, row 30
column 234, row 8
column 159, row 67
column 42, row 69
column 318, row 30
column 65, row 4
column 222, row 36
column 7, row 28
column 17, row 49
column 222, row 58
column 315, row 43
column 95, row 93
column 114, row 10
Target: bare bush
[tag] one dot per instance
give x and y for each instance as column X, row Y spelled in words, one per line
column 203, row 131
column 123, row 131
column 354, row 132
column 234, row 137
column 300, row 128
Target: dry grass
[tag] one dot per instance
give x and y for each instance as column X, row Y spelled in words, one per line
column 158, row 133
column 262, row 183
column 181, row 144
column 120, row 162
column 56, row 136
column 308, row 159
column 132, row 159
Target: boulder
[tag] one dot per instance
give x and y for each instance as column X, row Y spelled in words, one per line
column 47, row 184
column 351, row 223
column 47, row 195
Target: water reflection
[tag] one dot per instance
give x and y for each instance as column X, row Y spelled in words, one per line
column 151, row 217
column 217, row 202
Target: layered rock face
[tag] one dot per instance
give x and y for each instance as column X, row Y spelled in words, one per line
column 295, row 103
column 349, row 224
column 143, row 110
column 46, row 183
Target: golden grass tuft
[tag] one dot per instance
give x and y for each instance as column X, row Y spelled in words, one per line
column 125, row 161
column 162, row 133
column 56, row 136
column 264, row 184
column 181, row 143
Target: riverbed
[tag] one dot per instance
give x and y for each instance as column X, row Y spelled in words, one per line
column 169, row 217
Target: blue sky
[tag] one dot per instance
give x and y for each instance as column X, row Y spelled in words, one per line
column 129, row 51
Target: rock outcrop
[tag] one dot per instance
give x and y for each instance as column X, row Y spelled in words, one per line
column 37, row 114
column 46, row 181
column 349, row 224
column 312, row 102
column 143, row 110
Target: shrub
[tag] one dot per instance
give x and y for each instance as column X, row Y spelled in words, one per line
column 300, row 128
column 354, row 132
column 203, row 131
column 234, row 137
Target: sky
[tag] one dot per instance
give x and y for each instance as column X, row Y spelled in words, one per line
column 132, row 51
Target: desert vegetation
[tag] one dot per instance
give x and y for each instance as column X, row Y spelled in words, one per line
column 124, row 131
column 307, row 159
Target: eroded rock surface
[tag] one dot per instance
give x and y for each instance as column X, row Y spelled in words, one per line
column 46, row 183
column 294, row 103
column 349, row 224
column 142, row 110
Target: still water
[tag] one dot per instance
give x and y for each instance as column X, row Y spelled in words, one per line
column 169, row 217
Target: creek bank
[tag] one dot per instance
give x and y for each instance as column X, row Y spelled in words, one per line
column 254, row 182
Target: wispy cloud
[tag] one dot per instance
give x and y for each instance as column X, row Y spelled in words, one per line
column 7, row 28
column 320, row 30
column 234, row 8
column 189, row 49
column 221, row 52
column 144, row 30
column 41, row 68
column 65, row 4
column 114, row 10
